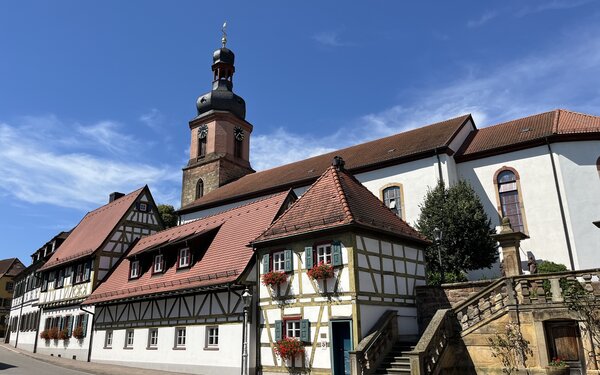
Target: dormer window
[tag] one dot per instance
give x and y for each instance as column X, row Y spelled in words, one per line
column 143, row 207
column 159, row 264
column 184, row 258
column 134, row 271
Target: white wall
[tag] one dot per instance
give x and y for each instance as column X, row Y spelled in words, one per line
column 66, row 348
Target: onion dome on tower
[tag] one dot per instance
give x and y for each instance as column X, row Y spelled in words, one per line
column 221, row 97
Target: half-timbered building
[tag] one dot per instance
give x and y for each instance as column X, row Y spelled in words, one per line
column 25, row 312
column 9, row 269
column 175, row 301
column 332, row 266
column 82, row 262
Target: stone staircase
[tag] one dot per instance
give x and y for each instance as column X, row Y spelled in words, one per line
column 396, row 362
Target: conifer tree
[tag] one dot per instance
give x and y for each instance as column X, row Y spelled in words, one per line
column 466, row 243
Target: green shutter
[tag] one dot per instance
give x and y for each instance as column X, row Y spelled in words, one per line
column 278, row 330
column 266, row 263
column 70, row 324
column 305, row 330
column 84, row 324
column 308, row 257
column 336, row 253
column 289, row 264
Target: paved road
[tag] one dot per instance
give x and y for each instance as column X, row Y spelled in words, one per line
column 15, row 363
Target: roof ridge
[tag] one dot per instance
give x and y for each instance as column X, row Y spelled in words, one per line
column 555, row 122
column 342, row 194
column 113, row 203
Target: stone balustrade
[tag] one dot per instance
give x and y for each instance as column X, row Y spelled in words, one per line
column 372, row 349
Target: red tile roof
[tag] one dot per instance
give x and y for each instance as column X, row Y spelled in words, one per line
column 337, row 199
column 392, row 149
column 11, row 267
column 528, row 131
column 92, row 231
column 224, row 261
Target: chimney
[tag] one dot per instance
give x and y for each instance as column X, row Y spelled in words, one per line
column 114, row 196
column 338, row 163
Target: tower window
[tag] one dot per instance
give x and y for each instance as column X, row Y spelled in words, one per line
column 199, row 189
column 510, row 204
column 237, row 143
column 202, row 147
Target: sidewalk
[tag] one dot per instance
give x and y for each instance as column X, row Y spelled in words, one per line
column 88, row 367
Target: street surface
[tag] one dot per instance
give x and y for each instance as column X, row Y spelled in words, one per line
column 15, row 363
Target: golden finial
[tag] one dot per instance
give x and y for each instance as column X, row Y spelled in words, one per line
column 224, row 38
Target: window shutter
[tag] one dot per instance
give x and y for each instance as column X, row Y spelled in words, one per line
column 70, row 324
column 265, row 263
column 289, row 264
column 84, row 324
column 278, row 330
column 336, row 253
column 305, row 330
column 308, row 257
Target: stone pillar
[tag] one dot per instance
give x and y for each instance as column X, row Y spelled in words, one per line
column 509, row 242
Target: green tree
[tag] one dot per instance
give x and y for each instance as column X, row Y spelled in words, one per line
column 167, row 213
column 466, row 243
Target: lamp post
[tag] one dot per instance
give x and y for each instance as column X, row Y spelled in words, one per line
column 437, row 235
column 247, row 299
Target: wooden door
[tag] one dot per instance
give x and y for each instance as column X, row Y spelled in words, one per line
column 563, row 339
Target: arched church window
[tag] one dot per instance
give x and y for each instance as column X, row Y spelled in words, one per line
column 199, row 189
column 392, row 198
column 509, row 198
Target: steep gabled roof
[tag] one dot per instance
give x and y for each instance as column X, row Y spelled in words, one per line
column 11, row 267
column 337, row 199
column 416, row 143
column 92, row 231
column 225, row 259
column 529, row 132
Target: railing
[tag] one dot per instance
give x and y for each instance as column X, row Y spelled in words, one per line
column 484, row 304
column 428, row 352
column 372, row 349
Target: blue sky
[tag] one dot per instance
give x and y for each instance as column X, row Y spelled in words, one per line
column 96, row 96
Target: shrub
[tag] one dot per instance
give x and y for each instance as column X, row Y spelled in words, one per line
column 288, row 348
column 551, row 267
column 63, row 334
column 78, row 332
column 321, row 271
column 274, row 278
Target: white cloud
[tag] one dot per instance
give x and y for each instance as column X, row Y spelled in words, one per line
column 483, row 19
column 566, row 75
column 50, row 166
column 330, row 39
column 154, row 119
column 546, row 5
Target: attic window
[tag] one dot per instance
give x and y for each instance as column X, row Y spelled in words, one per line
column 159, row 264
column 525, row 130
column 134, row 271
column 391, row 150
column 311, row 170
column 143, row 207
column 184, row 258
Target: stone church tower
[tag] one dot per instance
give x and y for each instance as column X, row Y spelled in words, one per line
column 220, row 135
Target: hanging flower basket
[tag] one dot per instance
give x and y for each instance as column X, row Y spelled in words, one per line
column 288, row 348
column 45, row 334
column 274, row 278
column 78, row 333
column 321, row 271
column 64, row 334
column 53, row 333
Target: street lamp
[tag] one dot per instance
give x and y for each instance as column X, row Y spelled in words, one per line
column 437, row 235
column 247, row 299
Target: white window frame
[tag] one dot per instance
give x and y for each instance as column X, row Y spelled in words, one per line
column 279, row 261
column 135, row 266
column 180, row 337
column 143, row 207
column 185, row 256
column 153, row 338
column 212, row 337
column 108, row 339
column 324, row 253
column 292, row 328
column 129, row 334
column 158, row 267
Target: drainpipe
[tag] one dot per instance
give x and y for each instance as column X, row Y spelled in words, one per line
column 560, row 205
column 89, row 357
column 256, row 317
column 440, row 176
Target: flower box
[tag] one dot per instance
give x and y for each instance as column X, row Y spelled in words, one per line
column 288, row 348
column 45, row 335
column 274, row 278
column 53, row 333
column 321, row 271
column 78, row 333
column 64, row 334
column 558, row 367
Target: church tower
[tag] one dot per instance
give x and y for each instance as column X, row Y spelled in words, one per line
column 220, row 135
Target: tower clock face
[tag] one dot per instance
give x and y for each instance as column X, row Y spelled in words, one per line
column 238, row 133
column 203, row 131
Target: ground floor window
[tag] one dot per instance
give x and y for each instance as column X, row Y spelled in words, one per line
column 129, row 338
column 108, row 340
column 152, row 338
column 212, row 337
column 180, row 337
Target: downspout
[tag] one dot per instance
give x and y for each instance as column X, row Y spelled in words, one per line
column 440, row 176
column 89, row 357
column 257, row 316
column 560, row 205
